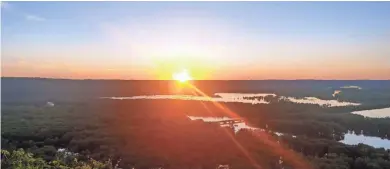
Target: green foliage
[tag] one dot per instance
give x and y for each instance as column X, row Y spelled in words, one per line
column 150, row 133
column 149, row 137
column 19, row 159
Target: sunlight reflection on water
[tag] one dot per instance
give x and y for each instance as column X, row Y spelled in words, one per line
column 374, row 113
column 354, row 139
column 236, row 126
column 209, row 119
column 244, row 95
column 314, row 100
column 336, row 92
column 249, row 98
column 351, row 87
column 223, row 97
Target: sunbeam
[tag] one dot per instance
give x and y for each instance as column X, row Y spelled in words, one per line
column 264, row 137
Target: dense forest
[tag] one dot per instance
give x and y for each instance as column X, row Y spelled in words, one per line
column 158, row 133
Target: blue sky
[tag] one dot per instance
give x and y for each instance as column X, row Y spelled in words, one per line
column 151, row 40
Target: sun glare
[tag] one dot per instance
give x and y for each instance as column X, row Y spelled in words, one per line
column 182, row 76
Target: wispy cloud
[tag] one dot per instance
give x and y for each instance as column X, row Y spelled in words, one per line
column 27, row 16
column 30, row 17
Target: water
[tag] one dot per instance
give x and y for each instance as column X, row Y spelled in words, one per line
column 336, row 92
column 314, row 100
column 239, row 126
column 244, row 95
column 349, row 138
column 354, row 139
column 209, row 119
column 236, row 126
column 351, row 87
column 231, row 97
column 249, row 98
column 374, row 113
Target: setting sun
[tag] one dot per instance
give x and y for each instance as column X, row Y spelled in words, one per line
column 182, row 76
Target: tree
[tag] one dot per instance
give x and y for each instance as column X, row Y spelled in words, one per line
column 19, row 159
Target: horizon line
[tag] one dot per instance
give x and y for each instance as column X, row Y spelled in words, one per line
column 52, row 78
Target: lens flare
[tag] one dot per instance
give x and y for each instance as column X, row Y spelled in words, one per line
column 182, row 76
column 288, row 155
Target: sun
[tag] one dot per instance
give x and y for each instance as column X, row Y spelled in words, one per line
column 182, row 76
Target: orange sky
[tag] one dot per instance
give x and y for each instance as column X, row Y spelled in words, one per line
column 210, row 40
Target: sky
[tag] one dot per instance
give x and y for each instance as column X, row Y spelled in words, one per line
column 210, row 40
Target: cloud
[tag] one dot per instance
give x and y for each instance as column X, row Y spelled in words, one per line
column 27, row 16
column 30, row 17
